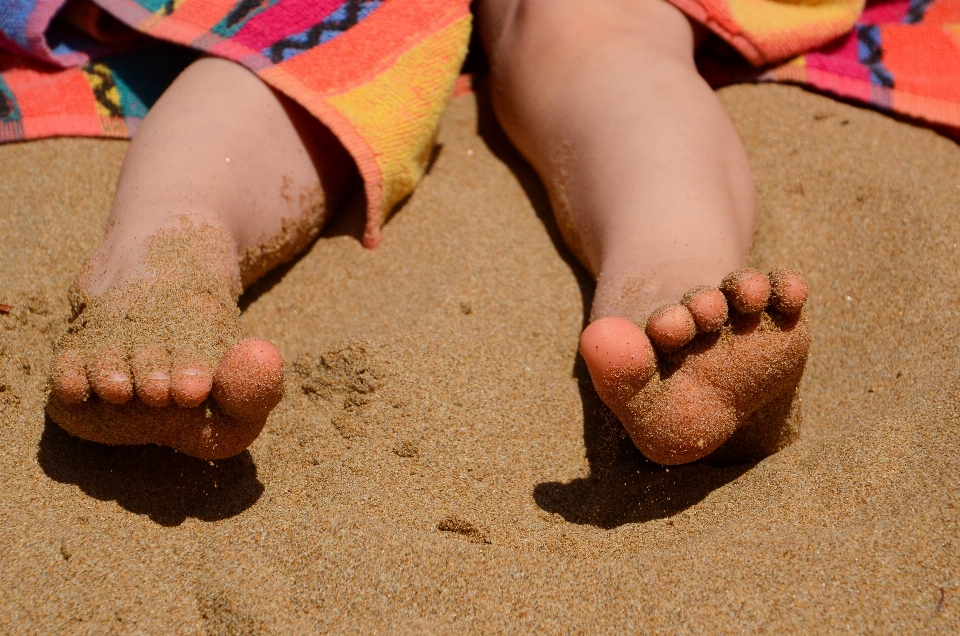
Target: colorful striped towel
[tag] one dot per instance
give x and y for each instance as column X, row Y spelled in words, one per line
column 378, row 73
column 898, row 55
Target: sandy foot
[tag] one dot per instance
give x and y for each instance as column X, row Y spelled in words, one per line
column 722, row 360
column 158, row 357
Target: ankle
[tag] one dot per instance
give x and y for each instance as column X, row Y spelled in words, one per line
column 180, row 247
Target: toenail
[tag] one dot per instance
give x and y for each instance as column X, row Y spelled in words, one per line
column 158, row 376
column 116, row 377
column 193, row 373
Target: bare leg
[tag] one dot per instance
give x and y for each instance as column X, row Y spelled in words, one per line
column 224, row 181
column 653, row 193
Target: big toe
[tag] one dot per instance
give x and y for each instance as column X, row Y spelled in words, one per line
column 69, row 378
column 619, row 356
column 248, row 383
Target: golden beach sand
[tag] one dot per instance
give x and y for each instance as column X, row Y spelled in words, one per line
column 441, row 464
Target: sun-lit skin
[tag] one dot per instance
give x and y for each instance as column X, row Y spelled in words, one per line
column 742, row 372
column 219, row 150
column 647, row 177
column 652, row 191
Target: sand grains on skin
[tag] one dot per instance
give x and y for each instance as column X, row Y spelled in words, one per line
column 148, row 347
column 724, row 364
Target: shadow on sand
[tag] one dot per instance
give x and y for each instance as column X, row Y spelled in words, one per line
column 623, row 486
column 161, row 483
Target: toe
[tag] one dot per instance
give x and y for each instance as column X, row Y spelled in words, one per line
column 69, row 378
column 671, row 326
column 788, row 290
column 190, row 381
column 708, row 306
column 248, row 383
column 747, row 291
column 619, row 356
column 109, row 376
column 151, row 376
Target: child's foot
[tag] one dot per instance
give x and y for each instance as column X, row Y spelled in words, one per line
column 702, row 367
column 224, row 181
column 141, row 358
column 652, row 192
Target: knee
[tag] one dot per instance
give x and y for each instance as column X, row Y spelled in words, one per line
column 517, row 33
column 543, row 51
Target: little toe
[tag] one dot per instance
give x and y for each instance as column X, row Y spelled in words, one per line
column 190, row 381
column 708, row 306
column 151, row 376
column 788, row 290
column 69, row 378
column 747, row 290
column 248, row 383
column 671, row 327
column 109, row 376
column 619, row 356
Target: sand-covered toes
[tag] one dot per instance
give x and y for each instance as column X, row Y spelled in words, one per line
column 689, row 381
column 158, row 357
column 211, row 416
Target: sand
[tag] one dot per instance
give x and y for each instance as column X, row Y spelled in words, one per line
column 440, row 462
